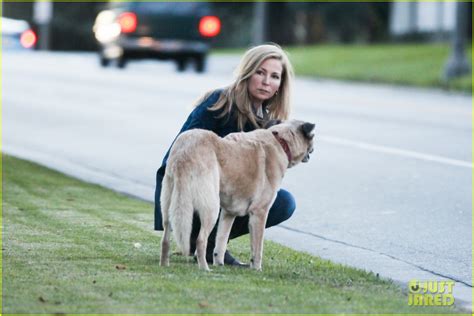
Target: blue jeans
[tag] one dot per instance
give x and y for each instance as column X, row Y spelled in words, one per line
column 281, row 210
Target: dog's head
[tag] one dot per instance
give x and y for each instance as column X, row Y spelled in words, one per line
column 299, row 136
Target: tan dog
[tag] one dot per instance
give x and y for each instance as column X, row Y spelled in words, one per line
column 239, row 174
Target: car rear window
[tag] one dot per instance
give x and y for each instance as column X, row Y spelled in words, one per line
column 178, row 8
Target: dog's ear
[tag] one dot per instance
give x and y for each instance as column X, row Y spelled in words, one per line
column 271, row 123
column 308, row 130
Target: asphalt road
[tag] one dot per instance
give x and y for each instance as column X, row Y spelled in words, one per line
column 388, row 188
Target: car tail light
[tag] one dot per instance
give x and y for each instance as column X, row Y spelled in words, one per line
column 209, row 26
column 128, row 22
column 28, row 39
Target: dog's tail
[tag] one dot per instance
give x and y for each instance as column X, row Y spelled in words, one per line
column 181, row 216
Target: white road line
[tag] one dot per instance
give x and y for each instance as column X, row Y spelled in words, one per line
column 396, row 151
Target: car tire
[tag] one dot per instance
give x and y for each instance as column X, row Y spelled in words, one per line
column 181, row 64
column 121, row 63
column 104, row 62
column 200, row 64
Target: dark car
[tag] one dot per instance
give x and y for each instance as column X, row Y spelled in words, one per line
column 161, row 30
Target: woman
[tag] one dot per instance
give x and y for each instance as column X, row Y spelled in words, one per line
column 260, row 92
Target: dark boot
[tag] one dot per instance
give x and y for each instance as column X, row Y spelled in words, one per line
column 229, row 260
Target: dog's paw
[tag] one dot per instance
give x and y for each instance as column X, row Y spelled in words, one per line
column 204, row 267
column 255, row 266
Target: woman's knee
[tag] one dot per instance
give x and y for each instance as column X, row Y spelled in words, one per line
column 288, row 203
column 282, row 209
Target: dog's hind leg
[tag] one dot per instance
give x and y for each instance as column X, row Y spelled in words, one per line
column 208, row 219
column 223, row 230
column 206, row 202
column 165, row 245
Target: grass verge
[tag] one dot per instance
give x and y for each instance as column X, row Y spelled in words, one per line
column 417, row 65
column 72, row 247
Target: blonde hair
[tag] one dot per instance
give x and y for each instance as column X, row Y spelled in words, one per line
column 237, row 95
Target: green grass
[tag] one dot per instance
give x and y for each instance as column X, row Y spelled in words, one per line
column 68, row 247
column 404, row 64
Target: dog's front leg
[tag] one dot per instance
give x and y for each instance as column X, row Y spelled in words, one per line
column 223, row 230
column 257, row 227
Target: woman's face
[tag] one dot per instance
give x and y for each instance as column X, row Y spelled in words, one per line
column 265, row 81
